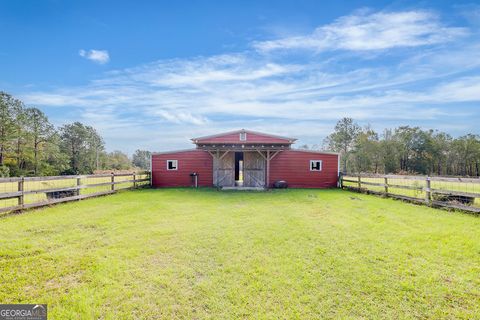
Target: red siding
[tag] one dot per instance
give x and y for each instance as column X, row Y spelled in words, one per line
column 188, row 161
column 293, row 166
column 290, row 165
column 251, row 138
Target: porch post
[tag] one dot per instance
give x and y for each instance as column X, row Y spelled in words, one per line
column 217, row 158
column 268, row 170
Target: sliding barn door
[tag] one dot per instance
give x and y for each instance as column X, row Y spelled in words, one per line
column 224, row 170
column 253, row 169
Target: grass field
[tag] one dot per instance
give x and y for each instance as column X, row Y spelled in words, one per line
column 420, row 194
column 301, row 254
column 6, row 187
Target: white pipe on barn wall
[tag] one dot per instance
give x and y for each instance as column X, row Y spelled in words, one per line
column 339, row 183
column 338, row 165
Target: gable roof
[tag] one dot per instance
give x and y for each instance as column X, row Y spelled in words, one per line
column 251, row 137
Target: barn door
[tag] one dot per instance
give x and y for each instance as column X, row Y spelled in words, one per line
column 253, row 169
column 224, row 170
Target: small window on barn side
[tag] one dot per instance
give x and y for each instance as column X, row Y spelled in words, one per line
column 172, row 164
column 243, row 136
column 315, row 165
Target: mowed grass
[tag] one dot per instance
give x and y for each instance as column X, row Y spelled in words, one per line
column 297, row 254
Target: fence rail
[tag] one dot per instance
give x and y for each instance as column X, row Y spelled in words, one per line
column 17, row 193
column 456, row 193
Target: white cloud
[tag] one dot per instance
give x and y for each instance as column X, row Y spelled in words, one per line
column 98, row 56
column 462, row 89
column 375, row 31
column 191, row 97
column 181, row 117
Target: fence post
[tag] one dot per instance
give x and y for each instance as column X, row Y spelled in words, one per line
column 21, row 185
column 134, row 180
column 113, row 181
column 359, row 182
column 386, row 185
column 79, row 183
column 428, row 191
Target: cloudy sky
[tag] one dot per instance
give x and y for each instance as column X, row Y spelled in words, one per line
column 152, row 75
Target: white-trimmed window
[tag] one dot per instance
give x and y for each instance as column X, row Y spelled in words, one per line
column 315, row 165
column 243, row 136
column 172, row 164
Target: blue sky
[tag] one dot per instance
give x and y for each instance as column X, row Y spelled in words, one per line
column 153, row 74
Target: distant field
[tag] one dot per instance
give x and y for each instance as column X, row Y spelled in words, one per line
column 6, row 187
column 205, row 254
column 420, row 194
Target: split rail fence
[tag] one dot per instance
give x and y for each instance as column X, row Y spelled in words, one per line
column 18, row 193
column 456, row 193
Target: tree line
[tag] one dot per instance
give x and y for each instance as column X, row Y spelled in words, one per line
column 31, row 146
column 404, row 149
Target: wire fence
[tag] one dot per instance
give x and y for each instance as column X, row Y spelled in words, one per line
column 457, row 193
column 17, row 193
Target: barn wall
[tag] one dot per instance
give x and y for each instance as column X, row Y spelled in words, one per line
column 294, row 167
column 188, row 161
column 235, row 138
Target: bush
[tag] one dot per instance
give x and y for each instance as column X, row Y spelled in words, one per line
column 4, row 171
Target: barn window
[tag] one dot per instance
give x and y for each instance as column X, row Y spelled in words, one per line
column 172, row 164
column 315, row 165
column 243, row 136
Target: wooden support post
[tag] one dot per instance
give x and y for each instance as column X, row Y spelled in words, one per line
column 261, row 154
column 21, row 186
column 386, row 186
column 217, row 167
column 428, row 193
column 134, row 180
column 267, row 182
column 113, row 181
column 223, row 155
column 273, row 155
column 79, row 183
column 340, row 180
column 359, row 182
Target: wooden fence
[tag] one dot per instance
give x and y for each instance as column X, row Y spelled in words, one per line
column 18, row 193
column 456, row 193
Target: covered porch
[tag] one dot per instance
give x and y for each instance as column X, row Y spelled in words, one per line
column 244, row 167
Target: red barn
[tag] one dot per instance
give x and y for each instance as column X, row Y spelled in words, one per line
column 244, row 159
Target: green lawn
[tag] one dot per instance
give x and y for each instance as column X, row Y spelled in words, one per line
column 181, row 253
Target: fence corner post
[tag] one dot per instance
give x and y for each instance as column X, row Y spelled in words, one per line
column 428, row 192
column 359, row 182
column 134, row 180
column 21, row 187
column 386, row 185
